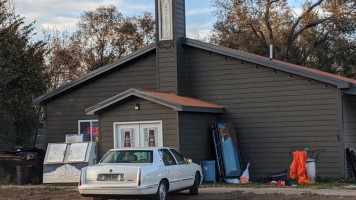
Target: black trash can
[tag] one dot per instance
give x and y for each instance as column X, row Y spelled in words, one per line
column 23, row 174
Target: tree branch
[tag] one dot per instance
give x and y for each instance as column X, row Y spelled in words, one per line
column 302, row 17
column 341, row 50
column 267, row 17
column 262, row 37
column 291, row 35
column 312, row 24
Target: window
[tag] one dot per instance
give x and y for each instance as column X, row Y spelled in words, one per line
column 90, row 128
column 129, row 156
column 180, row 158
column 167, row 157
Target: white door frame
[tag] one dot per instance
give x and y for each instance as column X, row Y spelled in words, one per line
column 160, row 130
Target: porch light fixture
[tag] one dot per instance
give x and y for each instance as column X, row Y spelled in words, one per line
column 137, row 106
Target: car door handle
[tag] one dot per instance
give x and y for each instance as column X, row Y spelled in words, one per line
column 182, row 170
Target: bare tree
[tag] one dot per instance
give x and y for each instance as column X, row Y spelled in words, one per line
column 101, row 36
column 321, row 36
column 62, row 59
column 105, row 35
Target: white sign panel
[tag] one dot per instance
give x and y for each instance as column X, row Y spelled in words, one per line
column 56, row 152
column 165, row 20
column 77, row 152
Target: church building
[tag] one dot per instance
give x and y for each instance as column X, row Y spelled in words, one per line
column 174, row 89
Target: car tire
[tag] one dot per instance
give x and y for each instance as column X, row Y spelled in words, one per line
column 162, row 191
column 194, row 189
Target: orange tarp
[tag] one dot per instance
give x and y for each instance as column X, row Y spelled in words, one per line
column 298, row 167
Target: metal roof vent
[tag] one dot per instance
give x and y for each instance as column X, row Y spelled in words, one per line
column 271, row 52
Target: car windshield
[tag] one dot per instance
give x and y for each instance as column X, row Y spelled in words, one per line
column 128, row 156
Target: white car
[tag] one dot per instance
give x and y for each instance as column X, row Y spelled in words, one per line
column 149, row 172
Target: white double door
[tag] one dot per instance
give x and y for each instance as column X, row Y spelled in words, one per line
column 138, row 134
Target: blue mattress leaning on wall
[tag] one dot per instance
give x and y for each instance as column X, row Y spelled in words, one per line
column 230, row 153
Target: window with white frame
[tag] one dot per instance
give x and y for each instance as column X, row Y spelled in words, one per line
column 90, row 128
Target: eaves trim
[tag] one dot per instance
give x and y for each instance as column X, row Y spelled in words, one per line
column 351, row 90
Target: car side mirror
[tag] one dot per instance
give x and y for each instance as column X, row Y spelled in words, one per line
column 189, row 161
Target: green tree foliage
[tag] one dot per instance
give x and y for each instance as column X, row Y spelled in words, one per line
column 322, row 35
column 102, row 36
column 21, row 78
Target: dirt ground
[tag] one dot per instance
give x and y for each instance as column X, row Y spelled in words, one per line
column 69, row 193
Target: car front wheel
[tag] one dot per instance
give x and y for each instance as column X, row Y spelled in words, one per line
column 161, row 192
column 194, row 189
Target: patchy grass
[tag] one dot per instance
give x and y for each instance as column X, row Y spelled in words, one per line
column 328, row 183
column 6, row 179
column 321, row 183
column 224, row 184
column 47, row 189
column 59, row 184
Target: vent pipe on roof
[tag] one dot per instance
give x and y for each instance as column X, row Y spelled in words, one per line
column 271, row 52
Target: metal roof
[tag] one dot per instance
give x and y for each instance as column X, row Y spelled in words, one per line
column 178, row 103
column 102, row 70
column 339, row 81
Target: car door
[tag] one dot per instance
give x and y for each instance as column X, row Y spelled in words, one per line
column 174, row 171
column 187, row 174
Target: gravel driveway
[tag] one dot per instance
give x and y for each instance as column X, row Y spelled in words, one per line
column 206, row 193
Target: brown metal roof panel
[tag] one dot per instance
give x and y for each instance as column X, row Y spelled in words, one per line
column 185, row 101
column 178, row 103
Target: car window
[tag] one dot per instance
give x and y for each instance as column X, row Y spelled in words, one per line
column 130, row 156
column 180, row 158
column 167, row 157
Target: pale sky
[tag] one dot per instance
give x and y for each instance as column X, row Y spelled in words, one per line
column 64, row 14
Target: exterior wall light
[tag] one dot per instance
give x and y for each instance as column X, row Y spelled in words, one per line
column 137, row 106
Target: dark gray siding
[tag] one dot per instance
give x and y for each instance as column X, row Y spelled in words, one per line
column 169, row 53
column 41, row 138
column 149, row 111
column 167, row 67
column 180, row 32
column 181, row 72
column 194, row 137
column 349, row 118
column 349, row 111
column 274, row 113
column 64, row 112
column 179, row 21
